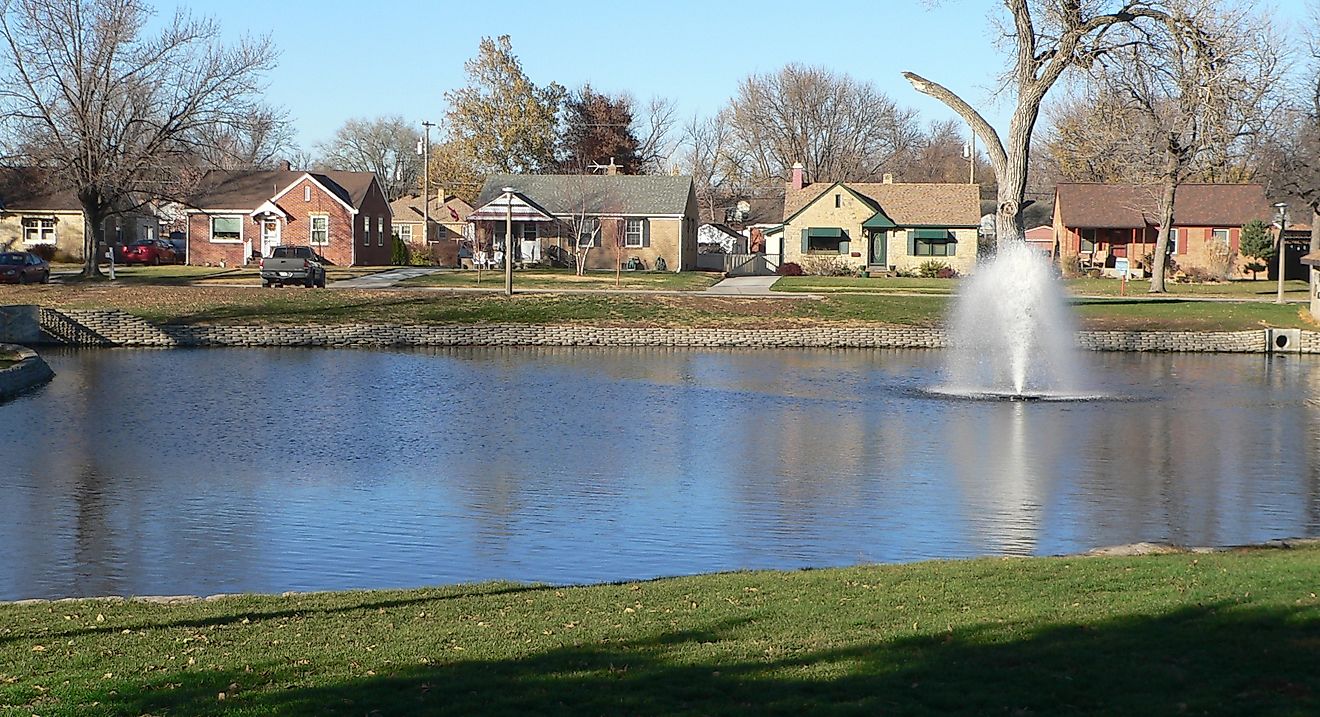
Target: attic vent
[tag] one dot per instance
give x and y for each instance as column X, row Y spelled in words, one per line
column 307, row 193
column 889, row 178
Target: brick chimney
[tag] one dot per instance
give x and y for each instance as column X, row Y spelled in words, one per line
column 888, row 178
column 611, row 168
column 796, row 182
column 286, row 165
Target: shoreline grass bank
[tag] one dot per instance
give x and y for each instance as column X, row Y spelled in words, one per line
column 1219, row 633
column 213, row 305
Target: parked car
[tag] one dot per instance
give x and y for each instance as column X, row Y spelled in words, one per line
column 293, row 265
column 150, row 251
column 22, row 267
column 180, row 244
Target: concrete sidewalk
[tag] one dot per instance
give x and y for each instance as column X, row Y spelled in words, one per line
column 745, row 286
column 385, row 279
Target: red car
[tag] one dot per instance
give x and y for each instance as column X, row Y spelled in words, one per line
column 21, row 267
column 150, row 251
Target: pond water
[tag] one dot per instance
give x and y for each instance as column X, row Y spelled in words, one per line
column 206, row 471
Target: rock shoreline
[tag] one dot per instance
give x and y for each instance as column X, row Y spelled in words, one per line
column 29, row 373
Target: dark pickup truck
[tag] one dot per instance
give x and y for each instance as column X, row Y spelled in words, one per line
column 293, row 265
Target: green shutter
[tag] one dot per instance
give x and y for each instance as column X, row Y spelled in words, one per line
column 646, row 232
column 806, row 241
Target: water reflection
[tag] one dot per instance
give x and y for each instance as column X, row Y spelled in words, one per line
column 269, row 470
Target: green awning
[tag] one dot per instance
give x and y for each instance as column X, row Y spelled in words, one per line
column 825, row 232
column 933, row 234
column 879, row 221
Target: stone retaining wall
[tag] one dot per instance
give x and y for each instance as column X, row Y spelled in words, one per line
column 30, row 371
column 115, row 328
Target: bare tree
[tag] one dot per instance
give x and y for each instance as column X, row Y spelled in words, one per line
column 113, row 104
column 386, row 146
column 1047, row 38
column 837, row 127
column 1197, row 84
column 654, row 131
column 709, row 157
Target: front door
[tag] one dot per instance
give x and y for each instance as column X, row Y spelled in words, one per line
column 270, row 235
column 877, row 257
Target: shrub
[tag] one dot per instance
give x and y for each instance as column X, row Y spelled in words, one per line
column 789, row 268
column 947, row 272
column 931, row 269
column 45, row 251
column 827, row 266
column 399, row 254
column 1254, row 267
column 1199, row 275
column 1170, row 265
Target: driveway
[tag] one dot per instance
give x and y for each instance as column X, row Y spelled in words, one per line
column 385, row 279
column 745, row 286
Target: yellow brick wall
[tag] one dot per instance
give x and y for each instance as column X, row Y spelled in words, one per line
column 822, row 213
column 68, row 232
column 665, row 242
column 963, row 260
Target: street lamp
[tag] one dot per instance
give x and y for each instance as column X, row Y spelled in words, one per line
column 1283, row 223
column 508, row 241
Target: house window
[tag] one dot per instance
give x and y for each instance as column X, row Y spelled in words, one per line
column 632, row 233
column 838, row 201
column 529, row 231
column 226, row 230
column 38, row 231
column 1087, row 238
column 587, row 232
column 307, row 193
column 320, row 229
column 380, row 231
column 366, row 231
column 1173, row 240
column 933, row 242
column 405, row 232
column 1220, row 236
column 831, row 240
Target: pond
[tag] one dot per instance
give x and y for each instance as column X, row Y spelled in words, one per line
column 231, row 470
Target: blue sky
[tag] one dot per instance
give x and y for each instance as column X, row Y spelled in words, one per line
column 353, row 59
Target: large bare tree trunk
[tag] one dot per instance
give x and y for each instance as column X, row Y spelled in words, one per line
column 1158, row 261
column 93, row 232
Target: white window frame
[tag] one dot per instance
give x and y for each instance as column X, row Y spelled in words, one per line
column 311, row 229
column 366, row 230
column 242, row 227
column 1215, row 234
column 1173, row 240
column 43, row 226
column 405, row 232
column 307, row 192
column 380, row 231
column 628, row 233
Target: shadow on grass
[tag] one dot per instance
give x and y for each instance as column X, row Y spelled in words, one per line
column 369, row 603
column 1216, row 659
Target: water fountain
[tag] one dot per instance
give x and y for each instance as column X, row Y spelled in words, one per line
column 1011, row 333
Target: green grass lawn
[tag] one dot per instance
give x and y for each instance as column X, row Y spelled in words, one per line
column 567, row 279
column 253, row 305
column 1078, row 287
column 1205, row 634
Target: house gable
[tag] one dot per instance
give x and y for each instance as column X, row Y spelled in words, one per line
column 313, row 181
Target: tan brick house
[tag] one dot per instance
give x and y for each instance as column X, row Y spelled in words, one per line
column 1111, row 225
column 881, row 226
column 651, row 219
column 448, row 224
column 237, row 216
column 34, row 217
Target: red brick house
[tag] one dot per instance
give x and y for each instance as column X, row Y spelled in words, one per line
column 1100, row 224
column 238, row 215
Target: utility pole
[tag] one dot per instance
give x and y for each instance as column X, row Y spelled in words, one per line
column 508, row 241
column 1282, row 248
column 426, row 182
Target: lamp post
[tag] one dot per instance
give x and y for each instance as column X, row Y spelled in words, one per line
column 508, row 241
column 425, row 151
column 1279, row 247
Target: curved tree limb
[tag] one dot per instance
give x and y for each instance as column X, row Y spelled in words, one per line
column 993, row 146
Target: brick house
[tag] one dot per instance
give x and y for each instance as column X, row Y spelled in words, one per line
column 35, row 217
column 237, row 216
column 440, row 240
column 1106, row 225
column 881, row 226
column 650, row 218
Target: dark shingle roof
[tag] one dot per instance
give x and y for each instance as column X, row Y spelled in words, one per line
column 28, row 189
column 244, row 188
column 908, row 204
column 1130, row 206
column 561, row 194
